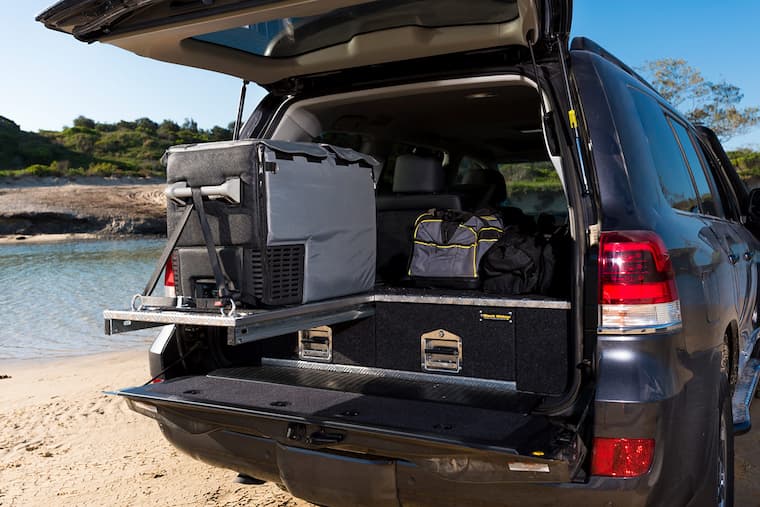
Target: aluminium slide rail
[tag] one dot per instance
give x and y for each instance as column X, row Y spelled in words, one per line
column 247, row 325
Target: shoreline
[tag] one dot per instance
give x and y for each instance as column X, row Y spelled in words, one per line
column 41, row 239
column 51, row 181
column 16, row 363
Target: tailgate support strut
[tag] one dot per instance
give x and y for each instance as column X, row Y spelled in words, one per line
column 572, row 115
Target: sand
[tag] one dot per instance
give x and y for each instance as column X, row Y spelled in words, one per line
column 63, row 442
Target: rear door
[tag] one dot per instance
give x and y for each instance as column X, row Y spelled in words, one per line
column 717, row 207
column 268, row 41
column 747, row 265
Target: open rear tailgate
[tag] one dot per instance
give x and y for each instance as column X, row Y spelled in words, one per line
column 465, row 433
column 266, row 41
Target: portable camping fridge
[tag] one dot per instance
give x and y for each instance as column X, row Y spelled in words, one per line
column 291, row 222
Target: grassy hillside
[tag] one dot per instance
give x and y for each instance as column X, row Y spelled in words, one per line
column 126, row 148
column 134, row 148
column 747, row 163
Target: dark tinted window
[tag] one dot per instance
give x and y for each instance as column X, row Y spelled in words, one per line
column 725, row 192
column 710, row 202
column 672, row 172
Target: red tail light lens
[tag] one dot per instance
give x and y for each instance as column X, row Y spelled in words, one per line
column 622, row 457
column 169, row 274
column 635, row 268
column 637, row 288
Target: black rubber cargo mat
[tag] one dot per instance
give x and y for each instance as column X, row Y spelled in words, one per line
column 494, row 428
column 490, row 396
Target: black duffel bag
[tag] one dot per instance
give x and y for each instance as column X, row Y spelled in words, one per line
column 518, row 263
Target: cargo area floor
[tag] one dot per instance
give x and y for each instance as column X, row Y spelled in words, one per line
column 360, row 400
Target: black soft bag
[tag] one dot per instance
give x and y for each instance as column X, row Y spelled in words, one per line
column 518, row 264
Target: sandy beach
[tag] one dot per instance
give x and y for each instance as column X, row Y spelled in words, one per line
column 65, row 443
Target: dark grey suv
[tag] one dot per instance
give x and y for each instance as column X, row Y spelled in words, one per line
column 318, row 361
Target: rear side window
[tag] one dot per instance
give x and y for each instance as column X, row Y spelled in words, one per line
column 710, row 202
column 725, row 191
column 672, row 172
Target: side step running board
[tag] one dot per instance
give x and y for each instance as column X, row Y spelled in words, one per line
column 743, row 394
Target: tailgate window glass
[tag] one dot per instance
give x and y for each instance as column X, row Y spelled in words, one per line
column 288, row 37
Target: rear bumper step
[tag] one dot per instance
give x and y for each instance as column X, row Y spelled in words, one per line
column 497, row 445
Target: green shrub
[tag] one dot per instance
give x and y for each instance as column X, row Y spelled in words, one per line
column 104, row 169
column 41, row 171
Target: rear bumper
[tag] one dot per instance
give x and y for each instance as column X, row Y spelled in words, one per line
column 350, row 479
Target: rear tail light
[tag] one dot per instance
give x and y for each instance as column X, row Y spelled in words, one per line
column 622, row 457
column 637, row 289
column 169, row 289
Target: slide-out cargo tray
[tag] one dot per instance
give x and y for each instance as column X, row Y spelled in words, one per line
column 248, row 325
column 245, row 325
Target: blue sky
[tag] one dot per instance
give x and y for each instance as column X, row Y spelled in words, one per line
column 49, row 78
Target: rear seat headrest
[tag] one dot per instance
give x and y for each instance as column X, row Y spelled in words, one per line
column 421, row 175
column 490, row 180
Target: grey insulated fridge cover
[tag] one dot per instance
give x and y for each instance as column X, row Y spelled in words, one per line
column 323, row 197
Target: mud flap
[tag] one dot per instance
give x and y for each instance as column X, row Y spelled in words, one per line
column 337, row 480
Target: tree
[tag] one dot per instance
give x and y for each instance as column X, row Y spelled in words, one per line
column 190, row 124
column 146, row 125
column 219, row 134
column 713, row 104
column 168, row 126
column 84, row 122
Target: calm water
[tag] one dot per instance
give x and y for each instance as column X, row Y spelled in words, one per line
column 52, row 296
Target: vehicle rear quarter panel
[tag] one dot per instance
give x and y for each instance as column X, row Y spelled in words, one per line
column 631, row 198
column 664, row 385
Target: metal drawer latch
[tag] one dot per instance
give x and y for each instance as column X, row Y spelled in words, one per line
column 441, row 352
column 315, row 344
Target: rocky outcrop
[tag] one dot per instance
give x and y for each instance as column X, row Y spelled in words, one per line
column 32, row 223
column 104, row 210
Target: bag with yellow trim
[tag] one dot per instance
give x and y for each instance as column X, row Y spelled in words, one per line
column 449, row 245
